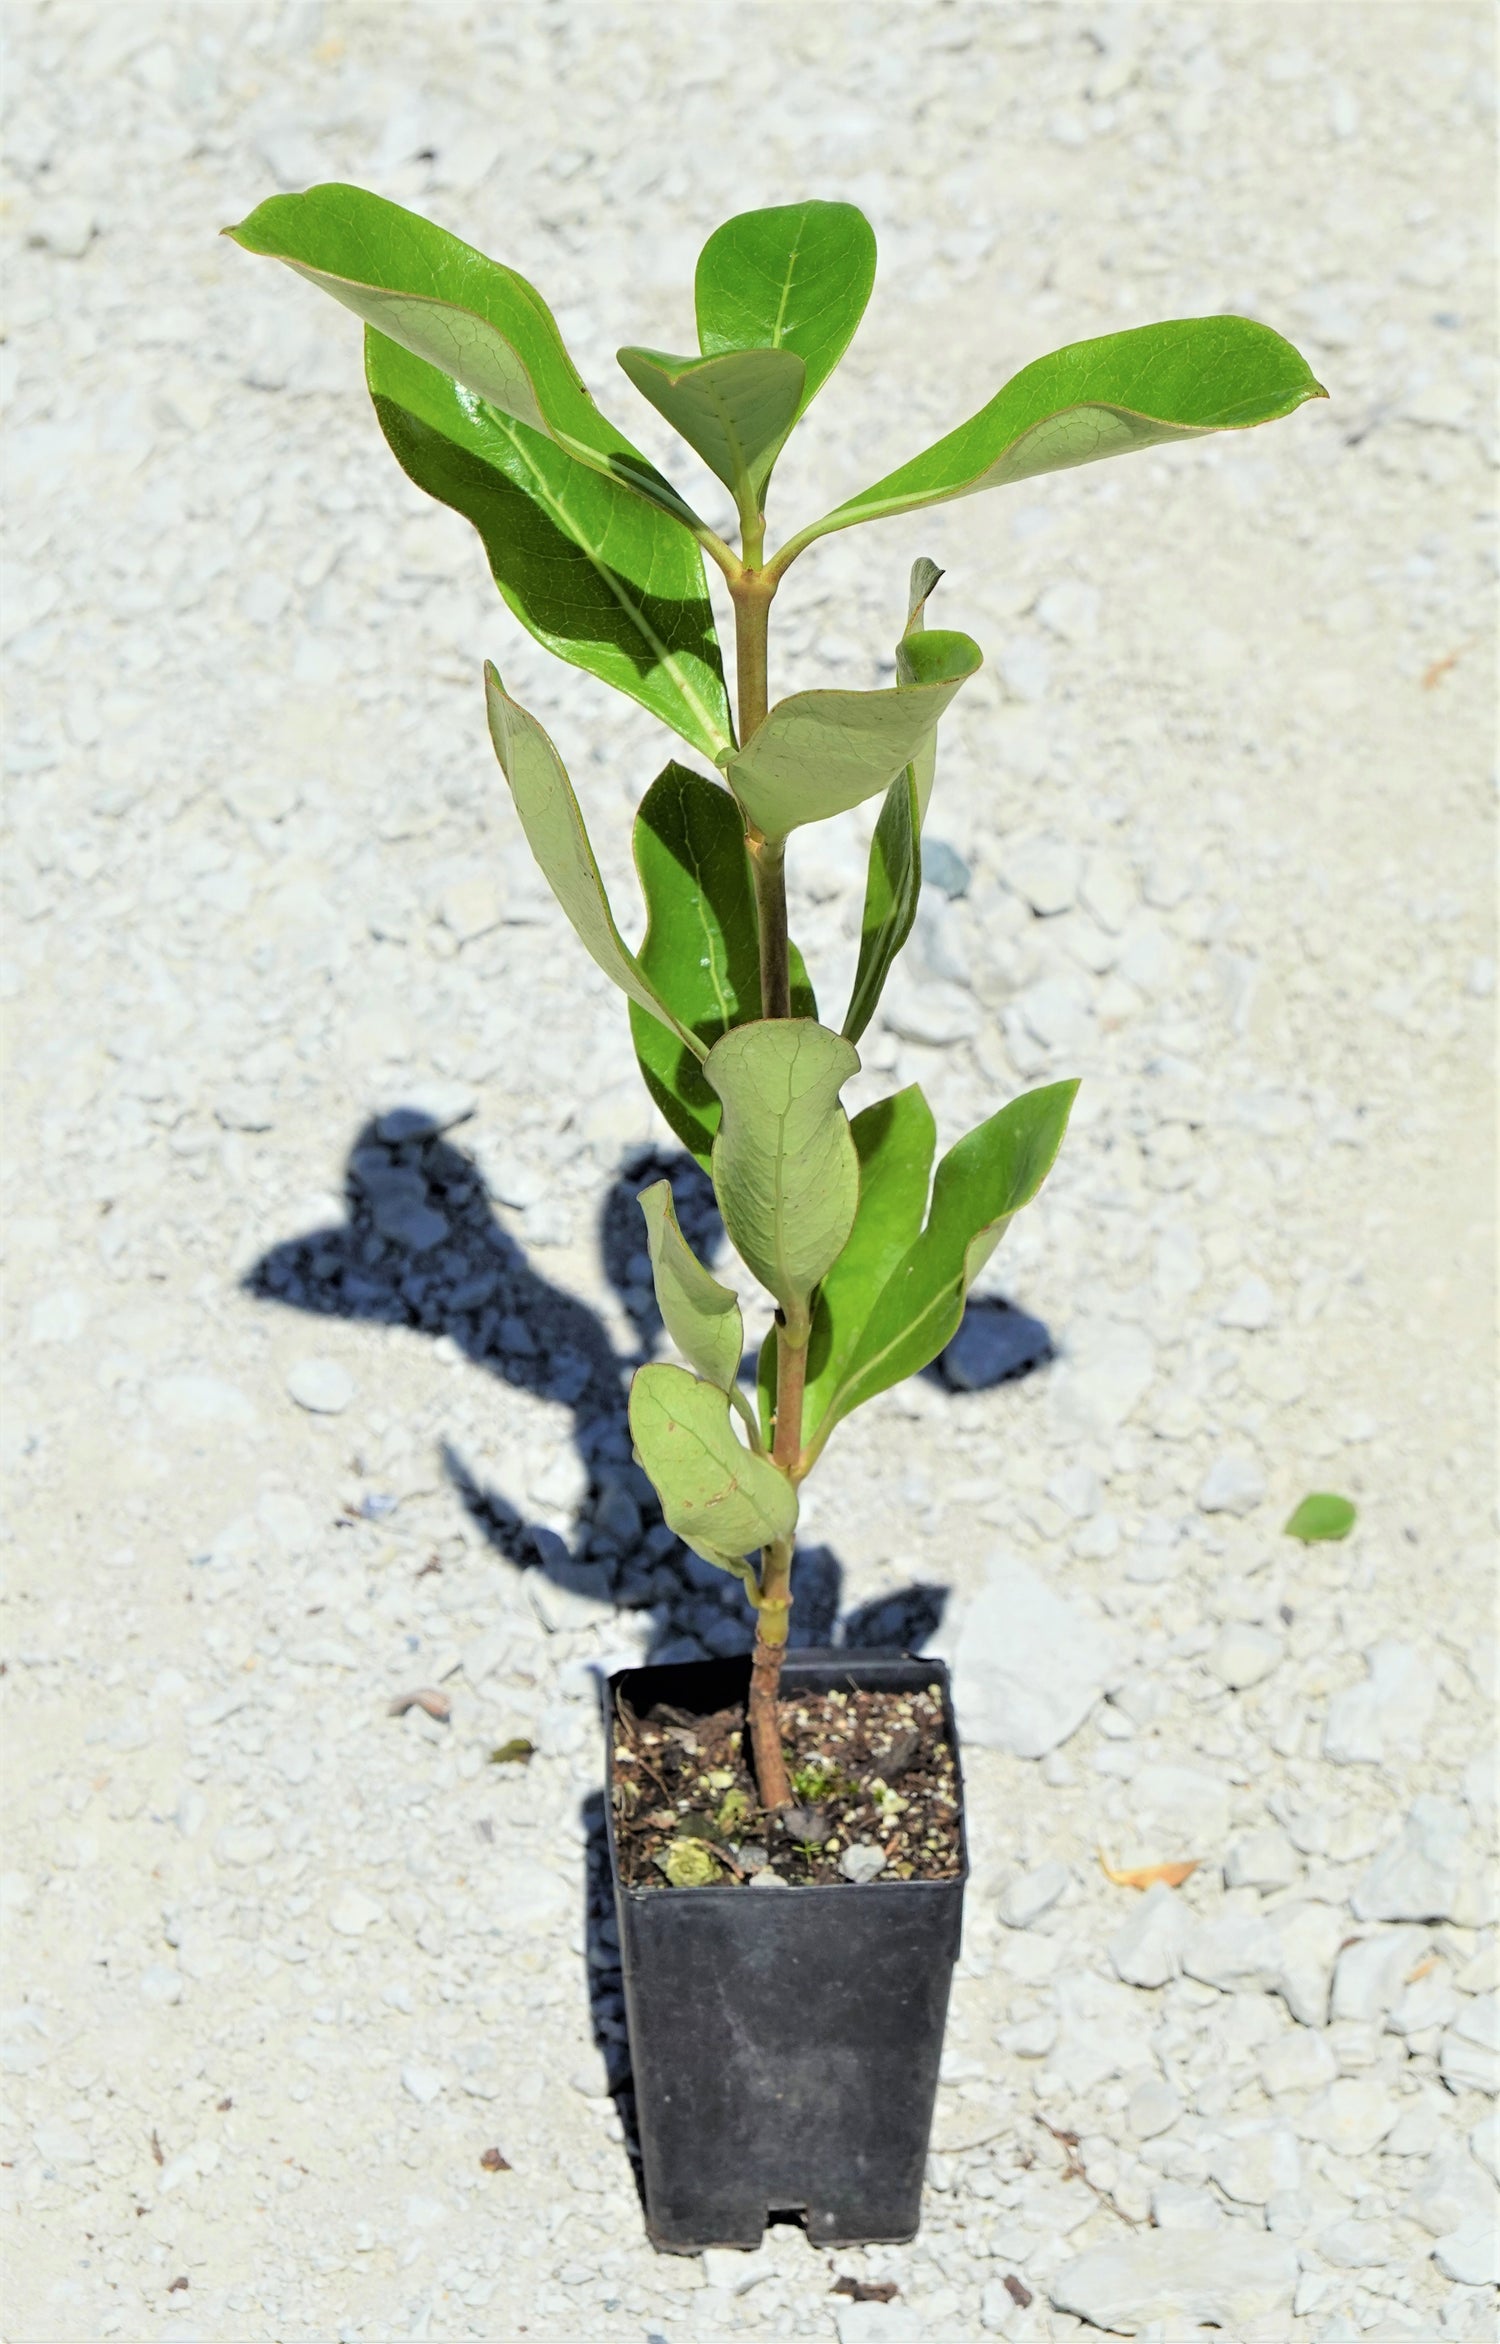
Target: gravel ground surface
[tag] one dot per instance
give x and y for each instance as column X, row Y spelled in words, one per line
column 324, row 1270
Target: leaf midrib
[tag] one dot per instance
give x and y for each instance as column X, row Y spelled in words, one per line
column 856, row 1376
column 786, row 284
column 556, row 505
column 712, row 940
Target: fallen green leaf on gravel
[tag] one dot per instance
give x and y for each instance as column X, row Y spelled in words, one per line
column 1322, row 1516
column 516, row 1752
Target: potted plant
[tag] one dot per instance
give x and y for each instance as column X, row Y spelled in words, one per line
column 785, row 2046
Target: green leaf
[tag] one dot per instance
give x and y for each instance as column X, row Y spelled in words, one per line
column 925, row 575
column 784, row 1166
column 893, row 888
column 701, row 951
column 701, row 1316
column 893, row 885
column 720, row 1499
column 796, row 277
column 1320, row 1516
column 894, row 1140
column 456, row 309
column 1139, row 389
column 819, row 753
column 598, row 577
column 981, row 1184
column 735, row 409
column 555, row 833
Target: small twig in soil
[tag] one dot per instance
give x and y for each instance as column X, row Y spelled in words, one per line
column 1076, row 2170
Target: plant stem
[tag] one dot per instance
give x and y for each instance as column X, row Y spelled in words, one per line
column 771, row 1622
column 791, row 1379
column 774, row 1614
column 768, row 868
column 752, row 593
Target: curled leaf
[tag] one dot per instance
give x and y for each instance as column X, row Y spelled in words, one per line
column 1147, row 1875
column 701, row 1316
column 714, row 1493
column 426, row 1697
column 688, row 1863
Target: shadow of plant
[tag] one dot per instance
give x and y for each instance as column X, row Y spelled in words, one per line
column 422, row 1246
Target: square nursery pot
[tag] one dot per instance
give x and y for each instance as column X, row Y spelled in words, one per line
column 785, row 2047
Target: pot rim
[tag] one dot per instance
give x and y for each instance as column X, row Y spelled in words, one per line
column 823, row 1658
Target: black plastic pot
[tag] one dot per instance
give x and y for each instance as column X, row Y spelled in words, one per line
column 785, row 2043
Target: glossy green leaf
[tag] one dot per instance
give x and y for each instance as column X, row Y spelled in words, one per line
column 1138, row 389
column 601, row 579
column 1322, row 1516
column 819, row 753
column 735, row 409
column 795, row 277
column 894, row 1141
column 981, row 1184
column 701, row 1316
column 718, row 1497
column 701, row 951
column 893, row 888
column 555, row 833
column 785, row 1171
column 893, row 883
column 461, row 312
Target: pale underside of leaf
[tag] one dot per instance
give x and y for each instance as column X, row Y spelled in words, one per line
column 480, row 323
column 1084, row 435
column 819, row 753
column 735, row 408
column 1145, row 387
column 554, row 827
column 784, row 1165
column 717, row 1496
column 701, row 1316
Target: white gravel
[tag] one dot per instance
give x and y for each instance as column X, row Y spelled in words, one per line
column 315, row 1110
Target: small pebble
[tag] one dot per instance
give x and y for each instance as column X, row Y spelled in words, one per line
column 861, row 1862
column 160, row 1982
column 323, row 1386
column 1030, row 1894
column 1241, row 1655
